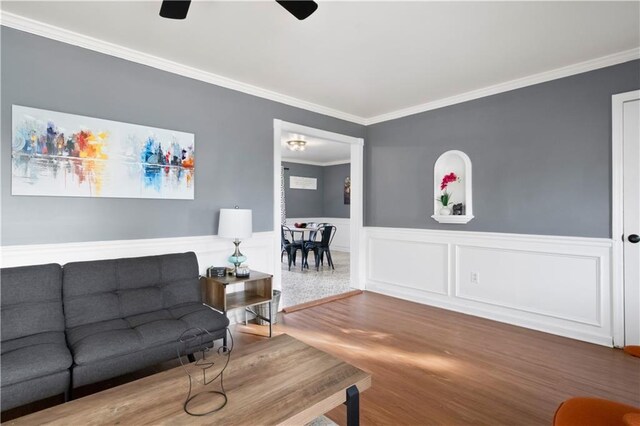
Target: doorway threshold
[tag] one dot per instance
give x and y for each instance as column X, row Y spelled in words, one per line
column 301, row 306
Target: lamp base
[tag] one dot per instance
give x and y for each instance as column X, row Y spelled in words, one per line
column 237, row 258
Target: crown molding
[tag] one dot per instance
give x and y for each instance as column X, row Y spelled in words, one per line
column 336, row 163
column 590, row 65
column 39, row 28
column 315, row 163
column 21, row 23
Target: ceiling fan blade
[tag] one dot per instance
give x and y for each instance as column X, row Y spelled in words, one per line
column 301, row 9
column 175, row 9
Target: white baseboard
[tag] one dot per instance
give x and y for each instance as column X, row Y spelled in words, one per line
column 209, row 249
column 560, row 285
column 342, row 238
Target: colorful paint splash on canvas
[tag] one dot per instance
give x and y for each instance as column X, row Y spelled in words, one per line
column 59, row 154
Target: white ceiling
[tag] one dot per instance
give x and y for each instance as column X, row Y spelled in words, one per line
column 320, row 152
column 365, row 59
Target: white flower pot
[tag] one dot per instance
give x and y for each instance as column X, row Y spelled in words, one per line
column 445, row 211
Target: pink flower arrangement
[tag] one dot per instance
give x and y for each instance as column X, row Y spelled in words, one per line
column 445, row 197
column 447, row 179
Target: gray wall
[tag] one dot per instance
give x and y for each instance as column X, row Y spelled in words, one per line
column 334, row 176
column 541, row 155
column 541, row 158
column 326, row 201
column 303, row 202
column 233, row 131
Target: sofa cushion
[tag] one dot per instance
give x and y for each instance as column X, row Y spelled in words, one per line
column 52, row 337
column 161, row 331
column 105, row 345
column 104, row 290
column 178, row 266
column 31, row 300
column 27, row 391
column 102, row 340
column 141, row 300
column 180, row 311
column 137, row 272
column 89, row 292
column 137, row 320
column 91, row 308
column 82, row 278
column 182, row 291
column 35, row 360
column 200, row 316
column 74, row 335
column 108, row 339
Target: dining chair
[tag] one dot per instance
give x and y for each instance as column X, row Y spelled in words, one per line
column 289, row 246
column 322, row 247
column 308, row 245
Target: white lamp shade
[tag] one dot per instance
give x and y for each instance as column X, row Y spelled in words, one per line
column 235, row 223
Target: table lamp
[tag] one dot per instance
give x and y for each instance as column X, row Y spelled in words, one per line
column 235, row 224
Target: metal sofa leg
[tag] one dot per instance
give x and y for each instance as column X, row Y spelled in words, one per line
column 68, row 392
column 191, row 358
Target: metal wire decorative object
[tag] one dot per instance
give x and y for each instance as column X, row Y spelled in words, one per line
column 211, row 361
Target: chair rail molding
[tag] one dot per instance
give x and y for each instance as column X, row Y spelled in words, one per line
column 210, row 250
column 559, row 285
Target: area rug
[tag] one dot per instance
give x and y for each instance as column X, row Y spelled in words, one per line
column 301, row 286
column 322, row 421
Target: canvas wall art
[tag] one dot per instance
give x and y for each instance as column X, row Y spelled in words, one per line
column 347, row 190
column 59, row 154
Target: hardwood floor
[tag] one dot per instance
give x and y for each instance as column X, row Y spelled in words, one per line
column 432, row 366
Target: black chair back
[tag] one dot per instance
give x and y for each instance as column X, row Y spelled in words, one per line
column 327, row 232
column 314, row 234
column 283, row 239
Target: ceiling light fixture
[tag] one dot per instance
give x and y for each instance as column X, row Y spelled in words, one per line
column 296, row 144
column 178, row 9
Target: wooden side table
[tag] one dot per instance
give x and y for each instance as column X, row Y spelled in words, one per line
column 257, row 291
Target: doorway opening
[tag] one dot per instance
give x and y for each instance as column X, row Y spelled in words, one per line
column 317, row 202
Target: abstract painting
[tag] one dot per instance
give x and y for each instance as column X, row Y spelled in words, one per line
column 347, row 190
column 59, row 154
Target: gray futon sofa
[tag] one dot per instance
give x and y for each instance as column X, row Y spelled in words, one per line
column 35, row 359
column 119, row 316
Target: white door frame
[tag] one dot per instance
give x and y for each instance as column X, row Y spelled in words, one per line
column 356, row 209
column 617, row 210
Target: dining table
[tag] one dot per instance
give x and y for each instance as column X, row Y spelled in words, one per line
column 304, row 232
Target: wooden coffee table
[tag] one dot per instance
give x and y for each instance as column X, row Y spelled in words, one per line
column 275, row 381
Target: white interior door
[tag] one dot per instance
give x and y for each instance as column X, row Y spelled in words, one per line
column 631, row 223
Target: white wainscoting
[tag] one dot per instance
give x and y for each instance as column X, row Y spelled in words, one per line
column 210, row 250
column 560, row 285
column 341, row 241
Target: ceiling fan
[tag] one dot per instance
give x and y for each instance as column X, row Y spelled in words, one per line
column 177, row 9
